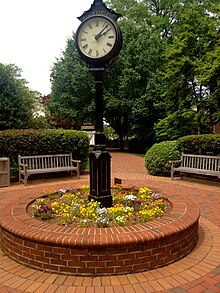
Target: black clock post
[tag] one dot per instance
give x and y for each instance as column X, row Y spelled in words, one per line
column 99, row 41
column 100, row 159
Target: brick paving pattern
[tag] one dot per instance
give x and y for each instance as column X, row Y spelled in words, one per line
column 198, row 272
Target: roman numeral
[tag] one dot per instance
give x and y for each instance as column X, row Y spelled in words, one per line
column 109, row 44
column 83, row 40
column 90, row 52
column 111, row 37
column 97, row 23
column 85, row 46
column 90, row 26
column 97, row 53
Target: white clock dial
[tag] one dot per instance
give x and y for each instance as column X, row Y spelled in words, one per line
column 96, row 37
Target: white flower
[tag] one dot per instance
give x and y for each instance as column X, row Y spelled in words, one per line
column 101, row 210
column 130, row 197
column 156, row 195
column 62, row 190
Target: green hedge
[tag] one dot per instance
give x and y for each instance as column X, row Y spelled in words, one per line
column 158, row 156
column 204, row 144
column 43, row 142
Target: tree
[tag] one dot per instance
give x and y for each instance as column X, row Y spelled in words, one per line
column 72, row 97
column 210, row 77
column 133, row 84
column 125, row 83
column 16, row 99
column 165, row 23
column 163, row 68
column 185, row 90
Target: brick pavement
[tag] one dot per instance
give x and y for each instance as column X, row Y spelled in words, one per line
column 198, row 272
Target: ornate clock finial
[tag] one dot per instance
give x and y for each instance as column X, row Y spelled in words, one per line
column 98, row 7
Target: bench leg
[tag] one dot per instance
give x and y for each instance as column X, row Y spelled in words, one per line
column 171, row 174
column 171, row 170
column 25, row 178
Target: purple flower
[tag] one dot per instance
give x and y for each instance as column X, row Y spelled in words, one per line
column 72, row 190
column 45, row 209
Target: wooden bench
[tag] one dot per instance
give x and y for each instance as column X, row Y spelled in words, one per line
column 196, row 164
column 28, row 165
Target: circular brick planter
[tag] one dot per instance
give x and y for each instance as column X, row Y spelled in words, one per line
column 98, row 251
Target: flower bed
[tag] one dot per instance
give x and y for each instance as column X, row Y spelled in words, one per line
column 71, row 207
column 97, row 251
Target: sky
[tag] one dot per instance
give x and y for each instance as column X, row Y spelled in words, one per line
column 33, row 33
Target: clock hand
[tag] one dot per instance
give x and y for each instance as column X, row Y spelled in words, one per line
column 105, row 32
column 100, row 33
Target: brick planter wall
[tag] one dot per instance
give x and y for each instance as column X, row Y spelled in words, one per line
column 98, row 251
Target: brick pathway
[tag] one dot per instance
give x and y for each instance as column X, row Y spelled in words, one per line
column 198, row 272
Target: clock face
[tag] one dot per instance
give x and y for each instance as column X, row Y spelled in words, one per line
column 96, row 37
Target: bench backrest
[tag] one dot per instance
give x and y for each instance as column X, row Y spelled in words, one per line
column 201, row 162
column 46, row 161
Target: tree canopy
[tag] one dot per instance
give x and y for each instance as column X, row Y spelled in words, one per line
column 16, row 99
column 168, row 70
column 72, row 98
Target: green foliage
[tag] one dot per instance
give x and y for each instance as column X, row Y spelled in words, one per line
column 158, row 156
column 131, row 85
column 16, row 100
column 179, row 124
column 167, row 73
column 185, row 88
column 205, row 144
column 72, row 89
column 40, row 122
column 110, row 133
column 41, row 142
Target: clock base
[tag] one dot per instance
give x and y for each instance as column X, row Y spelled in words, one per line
column 100, row 174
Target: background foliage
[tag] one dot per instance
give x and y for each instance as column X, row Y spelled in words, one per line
column 206, row 144
column 41, row 142
column 16, row 100
column 163, row 85
column 158, row 156
column 166, row 74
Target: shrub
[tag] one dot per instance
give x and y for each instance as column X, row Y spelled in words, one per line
column 41, row 142
column 205, row 144
column 158, row 156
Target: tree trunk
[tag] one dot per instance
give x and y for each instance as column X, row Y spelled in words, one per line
column 121, row 142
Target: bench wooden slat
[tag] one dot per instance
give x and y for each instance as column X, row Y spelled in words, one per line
column 197, row 164
column 45, row 164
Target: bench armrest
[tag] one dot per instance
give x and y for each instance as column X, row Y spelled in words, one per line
column 23, row 165
column 176, row 161
column 172, row 167
column 76, row 161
